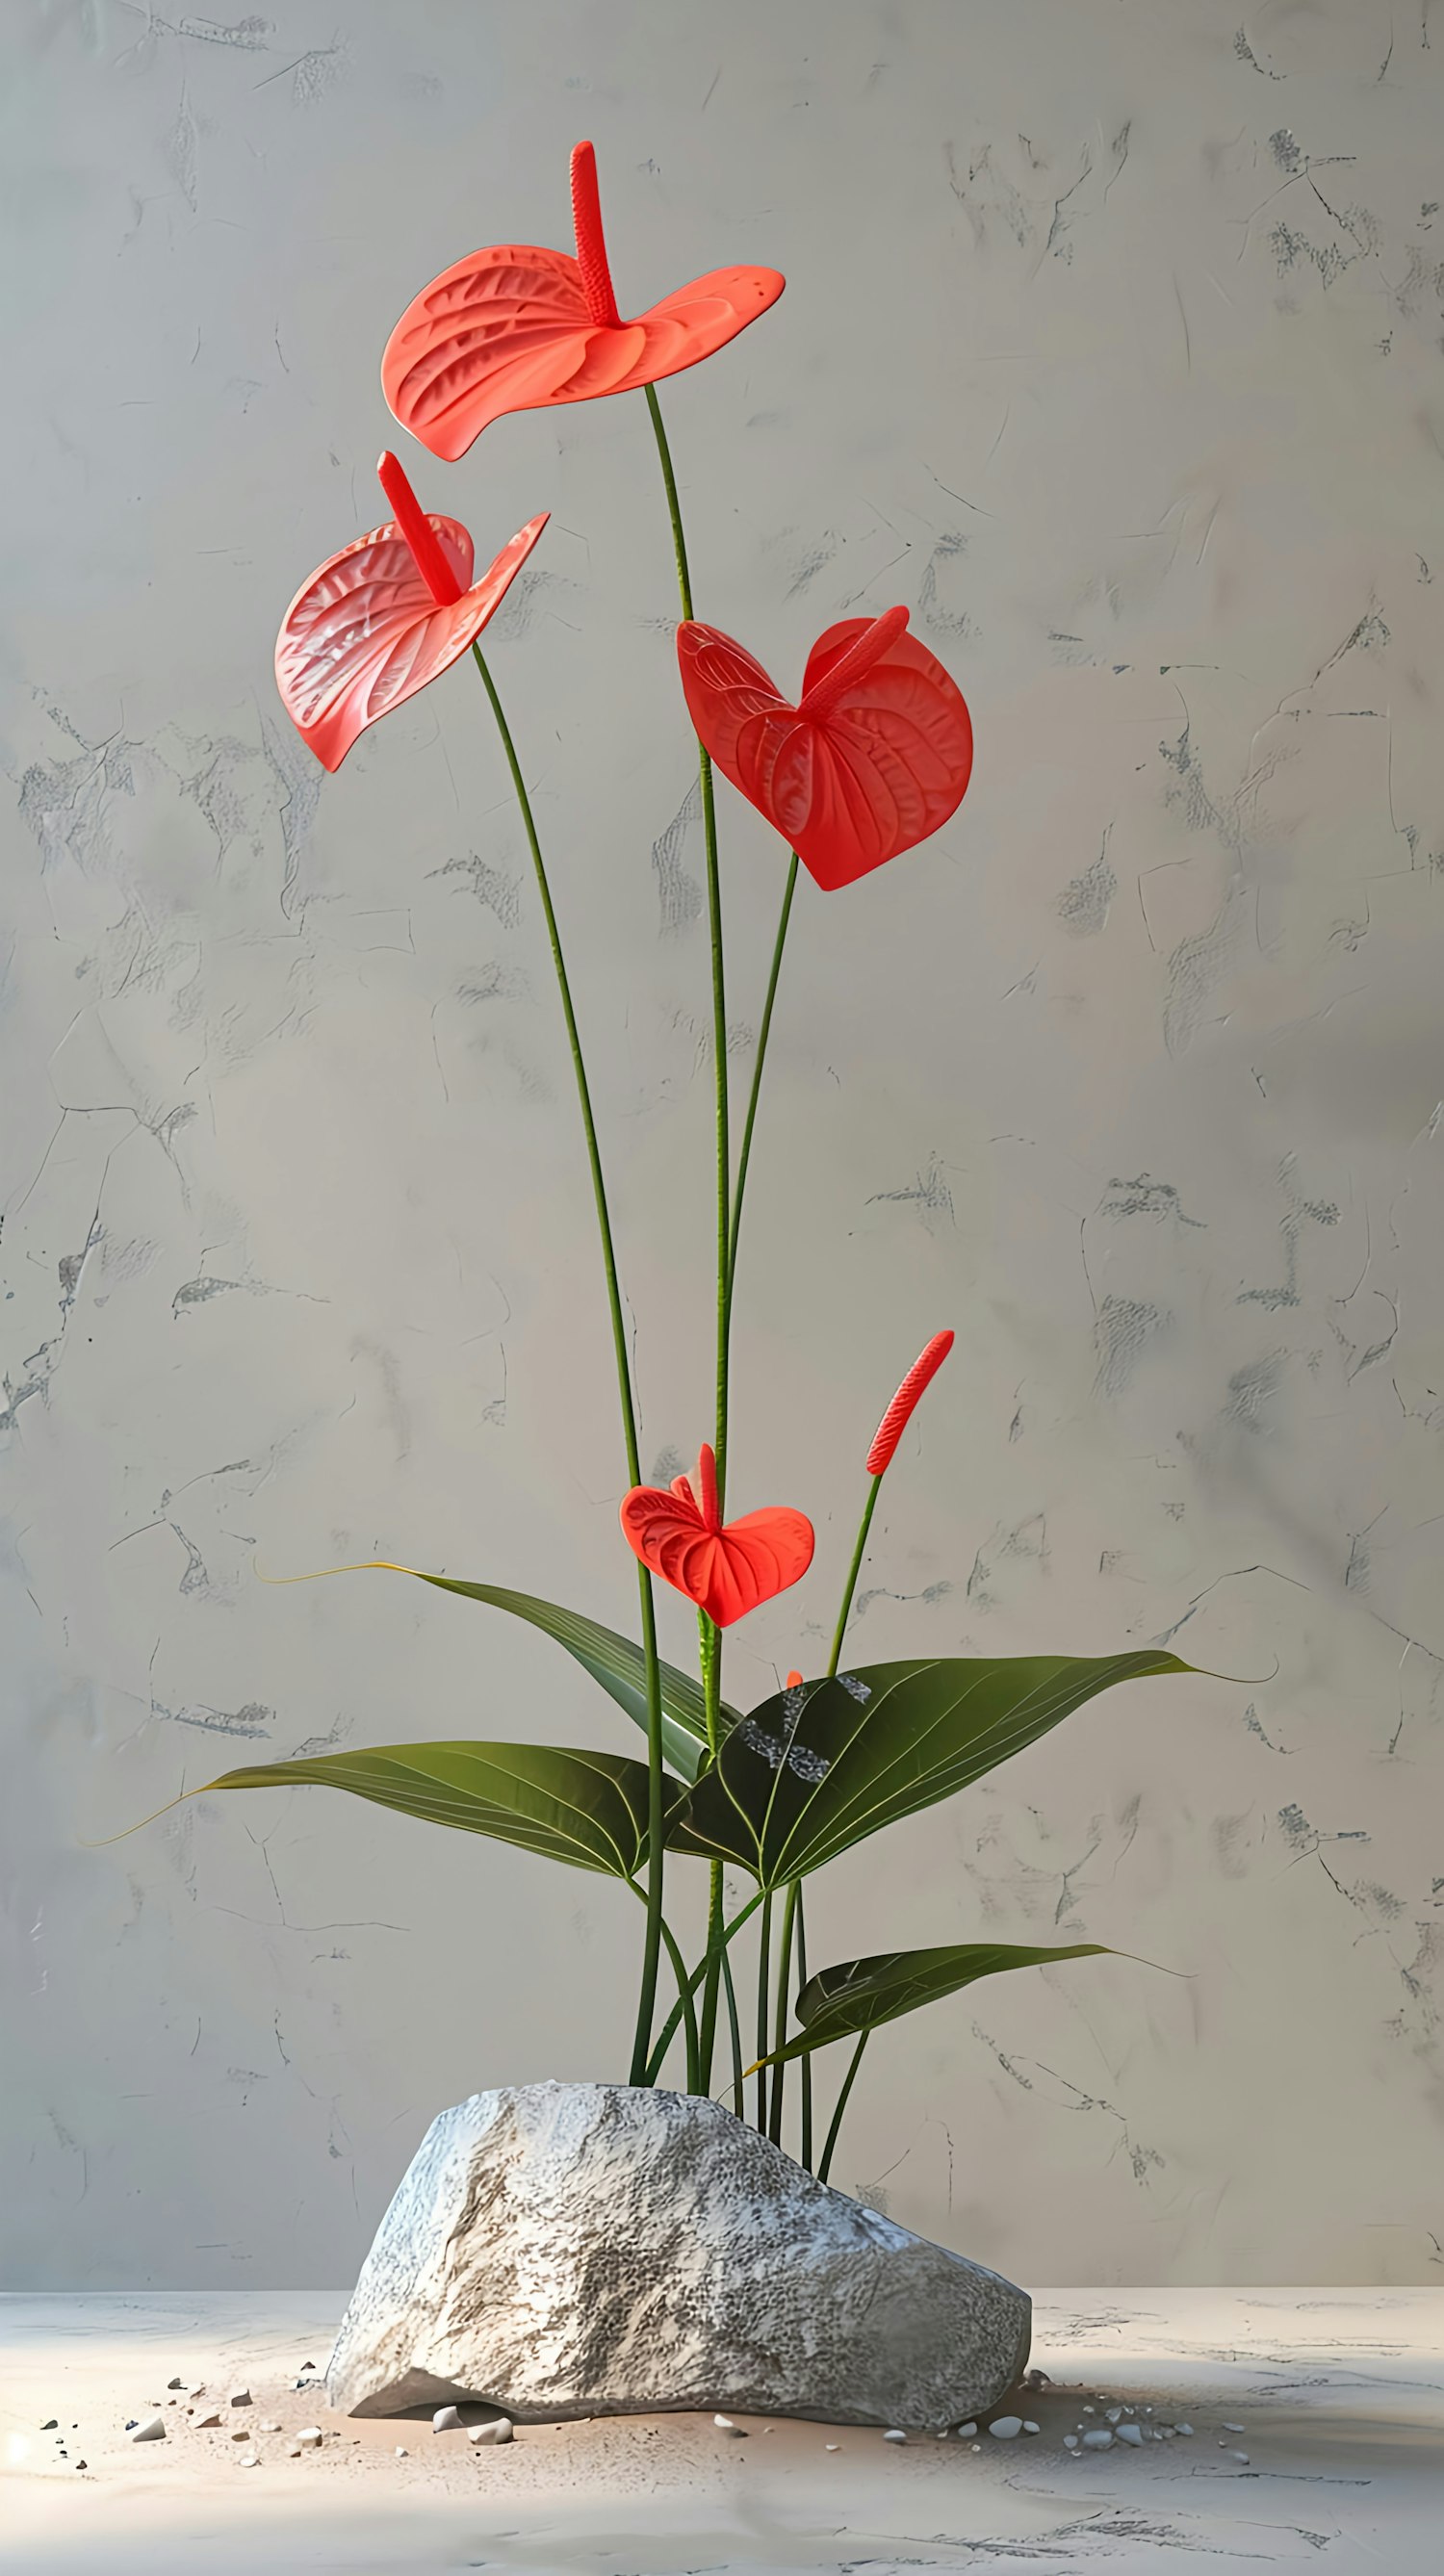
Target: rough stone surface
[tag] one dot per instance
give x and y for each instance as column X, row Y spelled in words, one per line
column 589, row 2249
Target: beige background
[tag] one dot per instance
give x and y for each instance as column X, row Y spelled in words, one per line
column 1112, row 344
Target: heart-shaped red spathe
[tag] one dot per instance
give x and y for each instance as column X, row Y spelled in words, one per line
column 515, row 328
column 389, row 613
column 726, row 1569
column 874, row 758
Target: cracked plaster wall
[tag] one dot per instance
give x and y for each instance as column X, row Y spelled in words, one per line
column 1114, row 345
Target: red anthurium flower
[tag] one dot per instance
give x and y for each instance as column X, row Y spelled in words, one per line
column 905, row 1403
column 727, row 1570
column 391, row 611
column 514, row 328
column 875, row 757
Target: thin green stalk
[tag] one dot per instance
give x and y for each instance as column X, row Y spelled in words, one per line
column 763, row 1962
column 684, row 1993
column 764, row 1032
column 735, row 2032
column 804, row 2071
column 669, row 2027
column 853, row 1572
column 719, row 994
column 825, row 2166
column 710, row 1645
column 652, row 1944
column 784, row 1998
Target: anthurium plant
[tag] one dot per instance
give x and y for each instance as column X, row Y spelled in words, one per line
column 872, row 758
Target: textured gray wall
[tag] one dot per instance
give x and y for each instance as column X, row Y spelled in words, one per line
column 1112, row 344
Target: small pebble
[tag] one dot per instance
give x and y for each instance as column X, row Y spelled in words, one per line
column 1089, row 2410
column 1006, row 2428
column 175, row 2383
column 310, row 2435
column 832, row 2446
column 1131, row 2433
column 1099, row 2441
column 294, row 2452
column 1070, row 2441
column 82, row 2464
column 1186, row 2430
column 966, row 2432
column 308, row 2365
column 208, row 2423
column 1233, row 2428
column 894, row 2435
column 240, row 2435
column 497, row 2431
column 54, row 2426
column 1113, row 2414
column 131, row 2422
column 153, row 2431
column 445, row 2420
column 1240, row 2456
column 725, row 2424
column 1029, row 2428
column 977, row 2446
column 241, row 2397
column 401, row 2451
column 1036, row 2379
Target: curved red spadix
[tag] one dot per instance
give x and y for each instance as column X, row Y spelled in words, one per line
column 388, row 613
column 726, row 1569
column 874, row 759
column 514, row 328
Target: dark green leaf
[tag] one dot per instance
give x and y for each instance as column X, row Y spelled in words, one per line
column 589, row 1809
column 818, row 1767
column 611, row 1660
column 860, row 1993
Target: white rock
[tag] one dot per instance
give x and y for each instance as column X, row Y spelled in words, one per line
column 270, row 2428
column 153, row 2430
column 893, row 2434
column 725, row 2424
column 1233, row 2428
column 1029, row 2428
column 567, row 2250
column 1006, row 2428
column 208, row 2423
column 1131, row 2433
column 1099, row 2441
column 1186, row 2430
column 498, row 2430
column 1114, row 2412
column 966, row 2432
column 401, row 2451
column 832, row 2446
column 310, row 2436
column 250, row 2464
column 1070, row 2441
column 1240, row 2456
column 1090, row 2410
column 294, row 2452
column 446, row 2420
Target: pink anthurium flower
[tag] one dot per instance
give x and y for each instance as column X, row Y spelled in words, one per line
column 727, row 1569
column 514, row 328
column 390, row 612
column 874, row 757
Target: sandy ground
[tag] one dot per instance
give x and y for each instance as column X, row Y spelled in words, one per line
column 1340, row 2397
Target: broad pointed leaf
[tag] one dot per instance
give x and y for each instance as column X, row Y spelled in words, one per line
column 613, row 1661
column 840, row 2002
column 823, row 1764
column 588, row 1809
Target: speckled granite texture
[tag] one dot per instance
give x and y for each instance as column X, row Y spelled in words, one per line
column 590, row 2249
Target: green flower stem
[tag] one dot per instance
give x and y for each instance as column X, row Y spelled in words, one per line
column 825, row 2167
column 669, row 2027
column 710, row 1646
column 763, row 1962
column 853, row 1571
column 735, row 2031
column 750, row 1121
column 719, row 993
column 684, row 1994
column 655, row 1932
column 779, row 2025
column 805, row 2069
